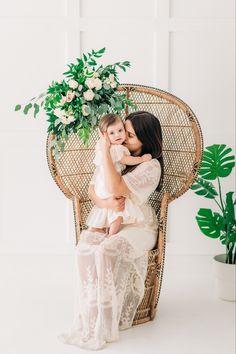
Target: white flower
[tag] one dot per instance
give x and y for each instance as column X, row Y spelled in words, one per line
column 89, row 95
column 73, row 84
column 65, row 120
column 80, row 88
column 98, row 84
column 95, row 74
column 57, row 121
column 107, row 81
column 85, row 110
column 62, row 118
column 59, row 112
column 113, row 84
column 94, row 82
column 69, row 96
column 63, row 100
column 111, row 77
column 70, row 119
column 90, row 82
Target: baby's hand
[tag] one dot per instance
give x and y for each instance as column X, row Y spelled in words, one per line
column 146, row 157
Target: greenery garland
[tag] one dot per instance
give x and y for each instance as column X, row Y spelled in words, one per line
column 75, row 104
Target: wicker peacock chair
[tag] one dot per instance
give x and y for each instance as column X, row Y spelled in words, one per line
column 182, row 153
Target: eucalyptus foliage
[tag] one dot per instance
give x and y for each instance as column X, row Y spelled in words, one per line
column 75, row 104
column 217, row 163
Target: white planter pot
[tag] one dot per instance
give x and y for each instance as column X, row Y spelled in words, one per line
column 225, row 278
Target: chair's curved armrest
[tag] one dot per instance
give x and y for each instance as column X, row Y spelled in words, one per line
column 162, row 221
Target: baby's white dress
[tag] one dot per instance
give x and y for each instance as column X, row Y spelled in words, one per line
column 103, row 217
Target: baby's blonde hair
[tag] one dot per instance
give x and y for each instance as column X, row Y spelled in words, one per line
column 107, row 120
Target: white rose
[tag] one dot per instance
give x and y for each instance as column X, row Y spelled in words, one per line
column 69, row 96
column 107, row 81
column 59, row 112
column 111, row 77
column 90, row 82
column 113, row 84
column 89, row 95
column 95, row 74
column 57, row 121
column 70, row 119
column 63, row 100
column 85, row 110
column 73, row 84
column 64, row 120
column 98, row 84
column 67, row 120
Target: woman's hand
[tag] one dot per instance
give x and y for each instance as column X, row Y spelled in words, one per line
column 105, row 142
column 116, row 203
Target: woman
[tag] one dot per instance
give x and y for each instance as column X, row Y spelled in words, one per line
column 111, row 271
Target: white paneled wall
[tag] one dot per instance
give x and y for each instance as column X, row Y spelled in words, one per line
column 182, row 46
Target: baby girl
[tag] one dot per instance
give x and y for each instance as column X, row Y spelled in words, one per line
column 100, row 219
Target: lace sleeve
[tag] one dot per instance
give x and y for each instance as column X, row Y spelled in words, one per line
column 143, row 180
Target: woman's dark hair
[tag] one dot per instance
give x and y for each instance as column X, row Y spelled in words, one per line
column 148, row 130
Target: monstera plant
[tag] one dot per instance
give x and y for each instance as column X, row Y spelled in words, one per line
column 217, row 163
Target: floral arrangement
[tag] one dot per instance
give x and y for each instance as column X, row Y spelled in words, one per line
column 217, row 163
column 75, row 104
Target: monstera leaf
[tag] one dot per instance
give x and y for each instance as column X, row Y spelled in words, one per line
column 204, row 188
column 216, row 162
column 230, row 217
column 211, row 224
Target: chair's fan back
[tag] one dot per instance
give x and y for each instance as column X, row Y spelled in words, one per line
column 182, row 149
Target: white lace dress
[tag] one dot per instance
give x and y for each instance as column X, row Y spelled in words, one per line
column 110, row 272
column 102, row 217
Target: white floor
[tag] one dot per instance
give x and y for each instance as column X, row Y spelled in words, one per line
column 36, row 304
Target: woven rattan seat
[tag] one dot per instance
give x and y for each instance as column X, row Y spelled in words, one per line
column 182, row 151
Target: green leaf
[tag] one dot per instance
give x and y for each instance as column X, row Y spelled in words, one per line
column 92, row 62
column 229, row 214
column 113, row 102
column 27, row 108
column 216, row 162
column 97, row 96
column 211, row 224
column 87, row 109
column 36, row 109
column 230, row 206
column 17, row 107
column 126, row 63
column 105, row 107
column 94, row 121
column 106, row 86
column 204, row 188
column 101, row 51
